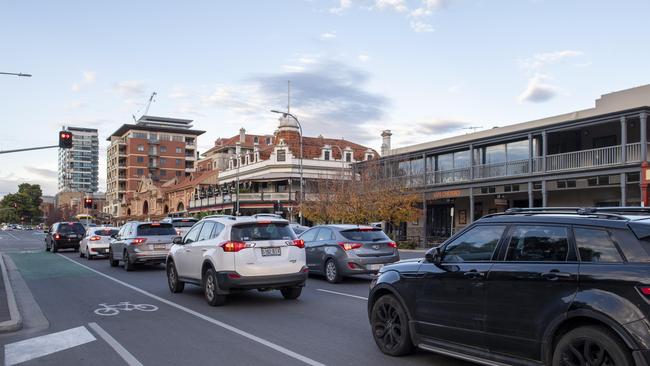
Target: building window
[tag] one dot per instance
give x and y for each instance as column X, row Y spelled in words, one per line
column 369, row 156
column 139, row 159
column 139, row 135
column 139, row 171
column 178, row 173
column 178, row 138
column 633, row 177
column 326, row 155
column 163, row 173
column 282, row 155
column 268, row 141
column 179, row 162
column 256, row 140
column 563, row 184
column 602, row 180
column 511, row 188
column 485, row 190
column 348, row 157
column 140, row 147
column 537, row 185
column 163, row 149
column 179, row 150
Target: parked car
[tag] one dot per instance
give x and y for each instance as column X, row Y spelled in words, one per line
column 231, row 254
column 96, row 242
column 181, row 224
column 141, row 242
column 342, row 250
column 549, row 286
column 297, row 228
column 64, row 235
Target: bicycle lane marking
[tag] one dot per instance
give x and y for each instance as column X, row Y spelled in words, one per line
column 216, row 322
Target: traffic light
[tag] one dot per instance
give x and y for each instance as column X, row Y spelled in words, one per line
column 88, row 203
column 65, row 139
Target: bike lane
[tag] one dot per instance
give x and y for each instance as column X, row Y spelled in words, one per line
column 70, row 296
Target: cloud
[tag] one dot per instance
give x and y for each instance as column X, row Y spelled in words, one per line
column 327, row 36
column 396, row 5
column 363, row 57
column 89, row 77
column 540, row 60
column 129, row 88
column 438, row 127
column 421, row 27
column 538, row 91
column 343, row 5
column 47, row 174
column 428, row 7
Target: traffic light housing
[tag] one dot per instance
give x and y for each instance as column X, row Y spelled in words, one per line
column 88, row 203
column 65, row 139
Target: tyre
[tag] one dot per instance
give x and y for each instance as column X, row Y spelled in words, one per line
column 89, row 256
column 175, row 285
column 54, row 248
column 81, row 254
column 332, row 273
column 210, row 285
column 291, row 293
column 47, row 249
column 591, row 345
column 111, row 261
column 76, row 249
column 128, row 266
column 390, row 328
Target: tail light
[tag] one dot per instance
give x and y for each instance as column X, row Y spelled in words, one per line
column 95, row 238
column 233, row 246
column 392, row 244
column 57, row 236
column 299, row 243
column 645, row 290
column 137, row 241
column 350, row 246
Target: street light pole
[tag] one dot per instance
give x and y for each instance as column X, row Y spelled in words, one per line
column 16, row 74
column 302, row 192
column 238, row 153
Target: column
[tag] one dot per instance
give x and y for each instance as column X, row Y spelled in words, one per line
column 471, row 162
column 530, row 154
column 544, row 194
column 644, row 136
column 623, row 190
column 424, row 219
column 531, row 204
column 544, row 150
column 623, row 140
column 470, row 219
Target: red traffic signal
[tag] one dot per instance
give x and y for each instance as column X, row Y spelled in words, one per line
column 88, row 203
column 65, row 139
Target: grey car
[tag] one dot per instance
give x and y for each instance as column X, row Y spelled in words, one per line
column 342, row 250
column 141, row 242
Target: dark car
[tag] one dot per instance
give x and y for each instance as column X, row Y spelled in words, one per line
column 141, row 242
column 64, row 235
column 529, row 287
column 342, row 250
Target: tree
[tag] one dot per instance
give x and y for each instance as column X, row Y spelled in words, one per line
column 22, row 206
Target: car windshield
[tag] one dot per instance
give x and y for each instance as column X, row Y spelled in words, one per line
column 156, row 229
column 184, row 222
column 71, row 228
column 364, row 235
column 106, row 232
column 262, row 231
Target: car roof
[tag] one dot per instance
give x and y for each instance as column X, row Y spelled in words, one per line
column 232, row 220
column 348, row 226
column 571, row 219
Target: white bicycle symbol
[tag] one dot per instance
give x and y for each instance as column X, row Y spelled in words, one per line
column 109, row 310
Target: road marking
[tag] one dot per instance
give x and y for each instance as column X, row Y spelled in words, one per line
column 342, row 294
column 126, row 356
column 32, row 348
column 12, row 235
column 110, row 310
column 218, row 323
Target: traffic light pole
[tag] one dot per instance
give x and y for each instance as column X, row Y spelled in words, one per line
column 28, row 149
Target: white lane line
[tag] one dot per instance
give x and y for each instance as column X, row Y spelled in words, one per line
column 12, row 235
column 126, row 356
column 342, row 294
column 218, row 323
column 32, row 348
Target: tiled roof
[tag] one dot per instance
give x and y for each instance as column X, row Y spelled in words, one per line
column 249, row 142
column 191, row 180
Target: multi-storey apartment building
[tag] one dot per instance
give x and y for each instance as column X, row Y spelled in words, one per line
column 158, row 147
column 79, row 166
column 592, row 157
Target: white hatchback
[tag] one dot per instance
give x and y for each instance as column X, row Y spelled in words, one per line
column 230, row 254
column 96, row 241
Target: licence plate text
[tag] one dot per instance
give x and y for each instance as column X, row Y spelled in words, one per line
column 268, row 252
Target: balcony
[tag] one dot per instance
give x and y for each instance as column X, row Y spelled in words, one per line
column 243, row 197
column 190, row 170
column 190, row 157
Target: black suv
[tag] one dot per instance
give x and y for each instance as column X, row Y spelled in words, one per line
column 64, row 235
column 528, row 287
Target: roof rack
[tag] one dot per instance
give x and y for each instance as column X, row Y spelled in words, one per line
column 604, row 212
column 230, row 217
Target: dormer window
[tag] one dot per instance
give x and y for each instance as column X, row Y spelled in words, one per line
column 369, row 156
column 348, row 157
column 326, row 155
column 281, row 155
column 268, row 141
column 256, row 140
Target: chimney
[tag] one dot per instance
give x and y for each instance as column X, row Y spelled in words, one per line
column 242, row 135
column 385, row 142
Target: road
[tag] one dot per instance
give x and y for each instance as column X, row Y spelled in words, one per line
column 327, row 325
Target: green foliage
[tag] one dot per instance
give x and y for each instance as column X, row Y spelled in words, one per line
column 407, row 245
column 22, row 206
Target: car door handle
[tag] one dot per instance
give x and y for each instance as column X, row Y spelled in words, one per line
column 474, row 274
column 204, row 249
column 187, row 250
column 554, row 274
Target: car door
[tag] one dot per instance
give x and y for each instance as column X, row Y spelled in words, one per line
column 194, row 258
column 533, row 285
column 118, row 244
column 182, row 257
column 450, row 296
column 325, row 246
column 309, row 237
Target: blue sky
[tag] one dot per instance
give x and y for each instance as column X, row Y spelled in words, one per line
column 424, row 69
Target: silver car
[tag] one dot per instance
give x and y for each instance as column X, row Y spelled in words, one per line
column 341, row 250
column 181, row 224
column 96, row 241
column 141, row 242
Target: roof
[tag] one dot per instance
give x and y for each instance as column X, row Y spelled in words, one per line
column 191, row 180
column 249, row 142
column 128, row 127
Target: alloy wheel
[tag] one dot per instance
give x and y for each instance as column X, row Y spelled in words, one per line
column 585, row 352
column 209, row 288
column 388, row 326
column 330, row 271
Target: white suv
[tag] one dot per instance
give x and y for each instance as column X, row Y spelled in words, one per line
column 228, row 254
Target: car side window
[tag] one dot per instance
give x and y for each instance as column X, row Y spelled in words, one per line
column 193, row 234
column 538, row 244
column 476, row 245
column 217, row 230
column 206, row 231
column 324, row 234
column 309, row 235
column 596, row 245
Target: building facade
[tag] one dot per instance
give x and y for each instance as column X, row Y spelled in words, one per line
column 79, row 165
column 592, row 157
column 160, row 148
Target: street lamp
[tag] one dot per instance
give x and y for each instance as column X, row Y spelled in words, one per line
column 16, row 74
column 302, row 193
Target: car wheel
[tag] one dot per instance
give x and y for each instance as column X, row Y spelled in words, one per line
column 291, row 293
column 592, row 345
column 128, row 266
column 175, row 285
column 54, row 248
column 332, row 274
column 111, row 261
column 89, row 256
column 390, row 327
column 81, row 254
column 76, row 249
column 47, row 249
column 210, row 285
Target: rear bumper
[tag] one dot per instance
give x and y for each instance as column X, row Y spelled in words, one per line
column 148, row 258
column 362, row 265
column 64, row 244
column 229, row 281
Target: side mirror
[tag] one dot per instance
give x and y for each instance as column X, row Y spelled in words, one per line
column 46, row 231
column 178, row 240
column 114, row 236
column 434, row 255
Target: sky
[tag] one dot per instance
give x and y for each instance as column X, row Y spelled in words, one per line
column 425, row 69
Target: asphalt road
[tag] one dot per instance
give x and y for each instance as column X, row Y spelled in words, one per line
column 327, row 325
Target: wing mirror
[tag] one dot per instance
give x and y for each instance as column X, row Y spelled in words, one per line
column 178, row 240
column 114, row 236
column 434, row 255
column 46, row 231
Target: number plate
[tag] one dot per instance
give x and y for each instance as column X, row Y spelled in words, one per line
column 160, row 246
column 269, row 252
column 374, row 267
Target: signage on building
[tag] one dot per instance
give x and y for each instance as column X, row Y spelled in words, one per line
column 446, row 194
column 500, row 202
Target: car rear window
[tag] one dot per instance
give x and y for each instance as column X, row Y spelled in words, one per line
column 184, row 222
column 262, row 231
column 156, row 229
column 364, row 235
column 71, row 228
column 106, row 232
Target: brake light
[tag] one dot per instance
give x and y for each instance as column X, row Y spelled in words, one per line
column 155, row 224
column 350, row 246
column 137, row 241
column 365, row 229
column 264, row 222
column 645, row 290
column 57, row 236
column 233, row 246
column 392, row 244
column 95, row 238
column 299, row 243
column 178, row 232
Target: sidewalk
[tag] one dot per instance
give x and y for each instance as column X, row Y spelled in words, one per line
column 10, row 319
column 4, row 305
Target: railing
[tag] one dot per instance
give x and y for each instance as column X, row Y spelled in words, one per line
column 633, row 152
column 230, row 198
column 584, row 159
